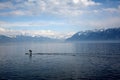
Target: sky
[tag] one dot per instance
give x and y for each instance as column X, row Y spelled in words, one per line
column 57, row 18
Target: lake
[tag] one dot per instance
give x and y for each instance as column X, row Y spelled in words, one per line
column 75, row 61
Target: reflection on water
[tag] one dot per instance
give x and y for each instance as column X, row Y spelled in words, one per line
column 60, row 61
column 30, row 56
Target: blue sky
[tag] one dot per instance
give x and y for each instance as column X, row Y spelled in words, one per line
column 57, row 18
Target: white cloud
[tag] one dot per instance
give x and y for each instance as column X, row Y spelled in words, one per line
column 6, row 5
column 112, row 10
column 70, row 8
column 37, row 7
column 106, row 23
column 89, row 3
column 110, row 22
column 14, row 13
column 2, row 30
column 30, row 24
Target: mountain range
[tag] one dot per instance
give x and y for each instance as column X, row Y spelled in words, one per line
column 90, row 35
column 96, row 35
column 21, row 38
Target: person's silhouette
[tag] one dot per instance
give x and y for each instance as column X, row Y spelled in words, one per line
column 30, row 52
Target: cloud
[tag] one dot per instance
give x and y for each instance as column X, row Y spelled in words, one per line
column 44, row 33
column 81, row 13
column 112, row 10
column 107, row 23
column 110, row 22
column 38, row 7
column 86, row 2
column 2, row 29
column 6, row 5
column 9, row 29
column 14, row 13
column 30, row 24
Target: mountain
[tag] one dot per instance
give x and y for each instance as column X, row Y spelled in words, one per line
column 21, row 38
column 5, row 38
column 30, row 38
column 96, row 35
column 91, row 35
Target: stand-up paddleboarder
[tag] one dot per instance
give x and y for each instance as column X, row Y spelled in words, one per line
column 30, row 52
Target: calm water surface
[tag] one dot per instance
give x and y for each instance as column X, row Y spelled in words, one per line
column 89, row 61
